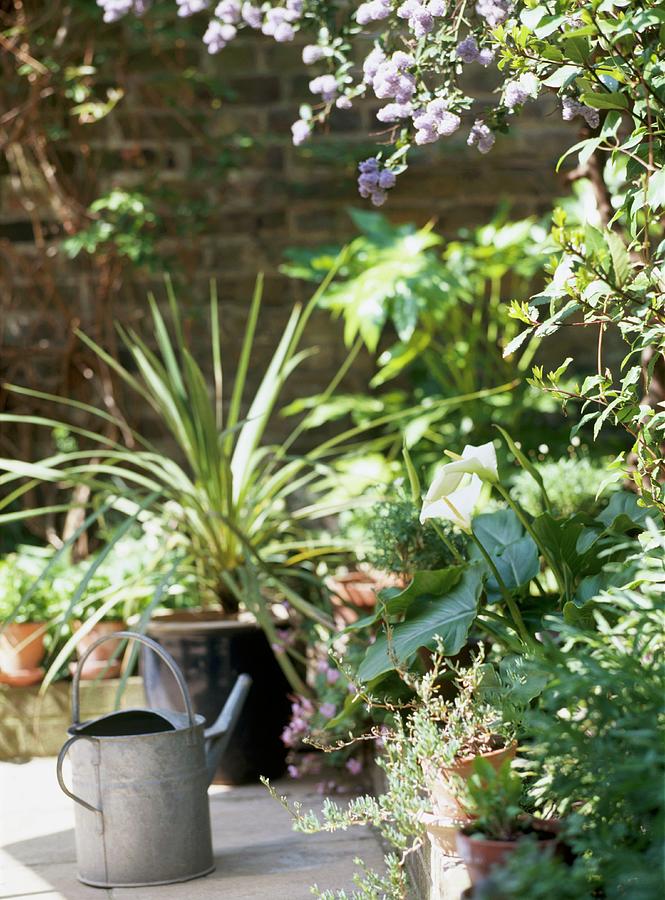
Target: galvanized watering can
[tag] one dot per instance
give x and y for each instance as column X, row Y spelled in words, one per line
column 140, row 780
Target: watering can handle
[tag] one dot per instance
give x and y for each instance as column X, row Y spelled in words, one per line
column 61, row 780
column 155, row 647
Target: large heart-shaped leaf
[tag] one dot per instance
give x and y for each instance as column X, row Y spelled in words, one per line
column 447, row 616
column 623, row 513
column 517, row 563
column 497, row 530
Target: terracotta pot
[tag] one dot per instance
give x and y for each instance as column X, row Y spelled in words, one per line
column 357, row 590
column 97, row 664
column 442, row 783
column 481, row 856
column 21, row 652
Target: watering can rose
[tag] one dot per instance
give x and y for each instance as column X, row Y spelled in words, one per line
column 454, row 493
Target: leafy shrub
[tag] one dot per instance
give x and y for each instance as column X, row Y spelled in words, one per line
column 393, row 540
column 572, row 485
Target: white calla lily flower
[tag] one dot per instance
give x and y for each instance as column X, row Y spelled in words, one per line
column 456, row 488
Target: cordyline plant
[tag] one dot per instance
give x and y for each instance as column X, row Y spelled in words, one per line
column 603, row 61
column 225, row 503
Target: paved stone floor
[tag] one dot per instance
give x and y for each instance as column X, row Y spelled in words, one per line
column 257, row 855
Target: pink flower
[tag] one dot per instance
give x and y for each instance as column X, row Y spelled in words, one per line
column 354, row 766
column 293, row 772
column 332, row 675
column 327, row 710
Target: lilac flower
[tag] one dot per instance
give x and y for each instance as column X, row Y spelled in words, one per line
column 277, row 24
column 518, row 92
column 312, row 54
column 300, row 131
column 435, row 121
column 294, row 8
column 293, row 771
column 392, row 81
column 437, row 7
column 571, row 108
column 343, row 103
column 372, row 63
column 467, row 50
column 277, row 649
column 251, row 15
column 393, row 112
column 354, row 766
column 486, row 56
column 327, row 710
column 218, row 34
column 494, row 11
column 190, row 7
column 322, row 666
column 326, row 85
column 387, row 179
column 351, row 688
column 116, row 9
column 481, row 136
column 419, row 17
column 373, row 182
column 373, row 11
column 229, row 11
column 332, row 675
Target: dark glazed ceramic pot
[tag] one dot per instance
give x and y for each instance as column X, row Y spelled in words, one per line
column 211, row 651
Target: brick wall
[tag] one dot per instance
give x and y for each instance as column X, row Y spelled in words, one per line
column 276, row 197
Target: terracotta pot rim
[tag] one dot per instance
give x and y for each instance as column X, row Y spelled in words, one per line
column 33, row 623
column 464, row 761
column 502, row 845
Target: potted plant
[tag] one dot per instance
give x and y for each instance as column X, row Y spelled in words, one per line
column 493, row 801
column 225, row 506
column 453, row 733
column 25, row 615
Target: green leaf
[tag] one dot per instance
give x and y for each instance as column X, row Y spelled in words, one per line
column 497, row 530
column 448, row 617
column 605, row 101
column 620, row 257
column 518, row 563
column 623, row 513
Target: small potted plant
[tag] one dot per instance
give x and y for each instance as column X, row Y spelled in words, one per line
column 462, row 730
column 23, row 625
column 497, row 821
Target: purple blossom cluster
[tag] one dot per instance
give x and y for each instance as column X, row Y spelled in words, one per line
column 326, row 86
column 435, row 121
column 570, row 108
column 229, row 15
column 312, row 54
column 469, row 52
column 117, row 9
column 517, row 92
column 495, row 12
column 373, row 181
column 481, row 136
column 420, row 16
column 373, row 11
column 391, row 79
column 191, row 7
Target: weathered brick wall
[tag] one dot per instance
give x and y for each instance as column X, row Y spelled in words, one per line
column 278, row 197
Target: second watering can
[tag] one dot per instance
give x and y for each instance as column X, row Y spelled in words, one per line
column 140, row 779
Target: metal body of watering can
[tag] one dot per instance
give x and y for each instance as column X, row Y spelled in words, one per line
column 140, row 779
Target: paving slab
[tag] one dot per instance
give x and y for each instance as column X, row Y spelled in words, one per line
column 257, row 855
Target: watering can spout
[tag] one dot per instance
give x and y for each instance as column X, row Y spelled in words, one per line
column 218, row 735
